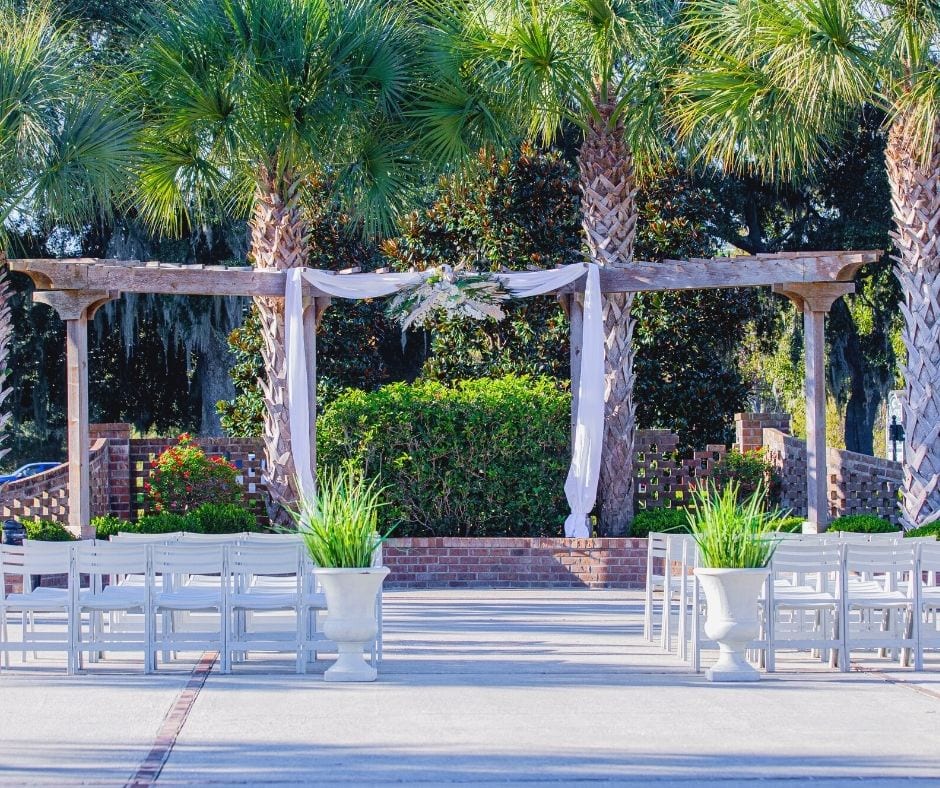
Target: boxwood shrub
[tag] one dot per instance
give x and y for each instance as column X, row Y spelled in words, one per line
column 933, row 529
column 659, row 520
column 207, row 519
column 863, row 524
column 47, row 531
column 485, row 457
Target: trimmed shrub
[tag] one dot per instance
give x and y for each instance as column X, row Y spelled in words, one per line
column 933, row 529
column 213, row 518
column 184, row 478
column 207, row 519
column 658, row 521
column 750, row 470
column 790, row 525
column 487, row 457
column 47, row 531
column 863, row 524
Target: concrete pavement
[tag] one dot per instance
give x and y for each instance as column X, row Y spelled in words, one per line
column 496, row 687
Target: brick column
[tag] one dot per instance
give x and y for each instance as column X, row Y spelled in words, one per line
column 119, row 466
column 749, row 428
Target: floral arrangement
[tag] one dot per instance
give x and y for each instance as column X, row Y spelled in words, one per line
column 183, row 478
column 455, row 292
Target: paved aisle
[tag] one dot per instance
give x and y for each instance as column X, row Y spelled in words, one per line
column 477, row 687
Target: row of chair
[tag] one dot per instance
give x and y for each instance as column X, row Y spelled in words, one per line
column 152, row 593
column 829, row 594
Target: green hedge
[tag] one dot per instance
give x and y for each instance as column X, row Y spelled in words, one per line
column 47, row 531
column 487, row 457
column 207, row 519
column 659, row 520
column 863, row 524
column 925, row 530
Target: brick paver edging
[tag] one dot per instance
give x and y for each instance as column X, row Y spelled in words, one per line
column 150, row 768
column 483, row 562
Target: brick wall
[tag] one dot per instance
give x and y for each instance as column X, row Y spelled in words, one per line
column 661, row 477
column 518, row 563
column 45, row 495
column 749, row 428
column 857, row 483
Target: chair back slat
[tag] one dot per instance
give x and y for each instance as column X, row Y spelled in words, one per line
column 212, row 539
column 257, row 558
column 805, row 557
column 46, row 558
column 879, row 557
column 930, row 556
column 123, row 536
column 187, row 558
column 101, row 557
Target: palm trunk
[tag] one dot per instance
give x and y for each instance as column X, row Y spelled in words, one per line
column 915, row 199
column 279, row 240
column 6, row 336
column 609, row 215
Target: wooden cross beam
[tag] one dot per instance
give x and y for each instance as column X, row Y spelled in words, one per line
column 131, row 276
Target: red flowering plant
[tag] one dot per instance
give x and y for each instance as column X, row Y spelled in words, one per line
column 184, row 478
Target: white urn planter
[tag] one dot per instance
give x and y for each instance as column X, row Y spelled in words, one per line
column 350, row 621
column 732, row 596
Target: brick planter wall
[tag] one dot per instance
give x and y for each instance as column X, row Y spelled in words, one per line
column 515, row 563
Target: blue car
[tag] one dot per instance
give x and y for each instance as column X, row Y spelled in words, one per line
column 27, row 470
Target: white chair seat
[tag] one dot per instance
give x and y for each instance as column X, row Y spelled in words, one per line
column 803, row 597
column 877, row 599
column 114, row 598
column 263, row 600
column 39, row 599
column 189, row 598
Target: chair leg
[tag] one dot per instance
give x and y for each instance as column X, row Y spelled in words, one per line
column 224, row 638
column 648, row 610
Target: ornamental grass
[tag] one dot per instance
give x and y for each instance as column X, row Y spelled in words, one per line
column 732, row 534
column 338, row 523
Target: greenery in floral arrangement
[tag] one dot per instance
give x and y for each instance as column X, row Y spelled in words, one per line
column 732, row 534
column 863, row 524
column 339, row 522
column 184, row 478
column 451, row 291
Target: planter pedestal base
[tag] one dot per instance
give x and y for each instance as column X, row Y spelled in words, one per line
column 350, row 664
column 731, row 666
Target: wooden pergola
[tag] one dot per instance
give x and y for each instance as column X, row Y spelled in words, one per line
column 77, row 287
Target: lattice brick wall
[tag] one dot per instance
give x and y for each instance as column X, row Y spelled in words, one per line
column 858, row 483
column 45, row 496
column 662, row 479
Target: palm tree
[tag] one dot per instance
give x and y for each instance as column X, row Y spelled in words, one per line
column 769, row 85
column 65, row 147
column 248, row 104
column 599, row 66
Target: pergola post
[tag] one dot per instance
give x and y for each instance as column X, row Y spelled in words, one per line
column 814, row 301
column 76, row 308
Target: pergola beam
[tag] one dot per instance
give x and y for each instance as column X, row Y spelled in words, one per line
column 131, row 276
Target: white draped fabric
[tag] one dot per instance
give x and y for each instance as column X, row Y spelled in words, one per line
column 581, row 484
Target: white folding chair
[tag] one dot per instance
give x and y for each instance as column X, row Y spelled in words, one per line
column 32, row 559
column 254, row 565
column 105, row 563
column 655, row 582
column 926, row 600
column 877, row 611
column 802, row 607
column 183, row 560
column 673, row 586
